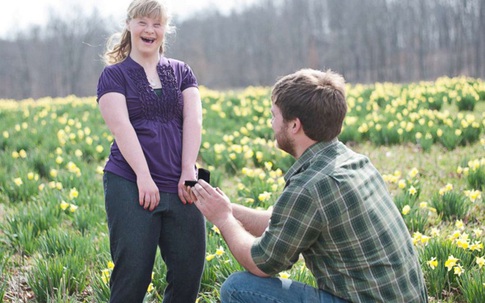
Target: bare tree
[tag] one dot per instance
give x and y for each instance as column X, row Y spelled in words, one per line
column 367, row 41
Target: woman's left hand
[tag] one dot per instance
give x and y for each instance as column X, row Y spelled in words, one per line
column 184, row 192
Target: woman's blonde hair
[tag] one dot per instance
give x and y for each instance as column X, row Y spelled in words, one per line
column 118, row 46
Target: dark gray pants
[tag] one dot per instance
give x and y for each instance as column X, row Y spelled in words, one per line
column 134, row 233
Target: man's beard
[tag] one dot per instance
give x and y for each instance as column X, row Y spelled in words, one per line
column 284, row 142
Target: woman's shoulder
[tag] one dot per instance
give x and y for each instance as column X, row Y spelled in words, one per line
column 172, row 62
column 119, row 65
column 119, row 72
column 182, row 71
column 120, row 69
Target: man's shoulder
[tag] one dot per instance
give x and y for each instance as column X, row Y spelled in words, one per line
column 329, row 167
column 311, row 178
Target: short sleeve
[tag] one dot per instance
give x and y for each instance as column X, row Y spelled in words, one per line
column 111, row 81
column 184, row 75
column 294, row 226
column 188, row 78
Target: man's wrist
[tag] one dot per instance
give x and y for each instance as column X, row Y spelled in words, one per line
column 226, row 222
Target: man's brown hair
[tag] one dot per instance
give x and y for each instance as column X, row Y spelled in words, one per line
column 315, row 97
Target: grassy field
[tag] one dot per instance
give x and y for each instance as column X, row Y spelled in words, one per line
column 427, row 139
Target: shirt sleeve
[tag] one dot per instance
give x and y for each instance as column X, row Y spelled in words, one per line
column 184, row 75
column 295, row 224
column 188, row 78
column 111, row 80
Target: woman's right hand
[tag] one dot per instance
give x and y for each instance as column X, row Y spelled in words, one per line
column 149, row 195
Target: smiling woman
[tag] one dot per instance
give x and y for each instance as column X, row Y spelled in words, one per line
column 151, row 105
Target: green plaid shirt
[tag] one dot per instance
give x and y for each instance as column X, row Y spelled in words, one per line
column 337, row 212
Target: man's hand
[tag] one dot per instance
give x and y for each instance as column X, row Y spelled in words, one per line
column 212, row 203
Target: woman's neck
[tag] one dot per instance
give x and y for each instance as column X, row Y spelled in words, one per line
column 146, row 61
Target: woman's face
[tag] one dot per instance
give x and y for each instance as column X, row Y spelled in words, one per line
column 147, row 35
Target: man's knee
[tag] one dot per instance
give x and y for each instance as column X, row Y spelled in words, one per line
column 233, row 283
column 234, row 280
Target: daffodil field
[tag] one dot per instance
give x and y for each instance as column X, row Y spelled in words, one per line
column 427, row 139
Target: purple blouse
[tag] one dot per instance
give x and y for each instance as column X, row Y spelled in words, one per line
column 157, row 120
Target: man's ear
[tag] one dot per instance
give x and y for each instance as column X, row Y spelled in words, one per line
column 295, row 125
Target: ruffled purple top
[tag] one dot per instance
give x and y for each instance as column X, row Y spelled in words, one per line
column 157, row 120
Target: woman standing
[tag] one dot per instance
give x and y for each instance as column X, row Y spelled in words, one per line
column 152, row 106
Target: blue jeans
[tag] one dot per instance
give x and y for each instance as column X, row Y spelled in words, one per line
column 134, row 233
column 245, row 287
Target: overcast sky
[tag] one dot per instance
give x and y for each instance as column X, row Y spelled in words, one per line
column 17, row 15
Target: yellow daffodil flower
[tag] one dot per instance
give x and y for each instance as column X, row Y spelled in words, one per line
column 477, row 232
column 53, row 173
column 480, row 261
column 476, row 246
column 105, row 275
column 265, row 196
column 433, row 263
column 412, row 191
column 23, row 154
column 64, row 205
column 99, row 170
column 72, row 208
column 18, row 181
column 458, row 270
column 216, row 229
column 451, row 262
column 220, row 251
column 73, row 193
column 413, row 172
column 423, row 205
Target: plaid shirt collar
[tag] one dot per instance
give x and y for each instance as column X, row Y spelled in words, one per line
column 319, row 147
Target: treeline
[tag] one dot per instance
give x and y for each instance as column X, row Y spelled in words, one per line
column 368, row 41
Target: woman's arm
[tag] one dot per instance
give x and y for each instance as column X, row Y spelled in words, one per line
column 192, row 130
column 115, row 114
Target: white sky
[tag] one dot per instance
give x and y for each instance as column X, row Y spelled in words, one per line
column 20, row 14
